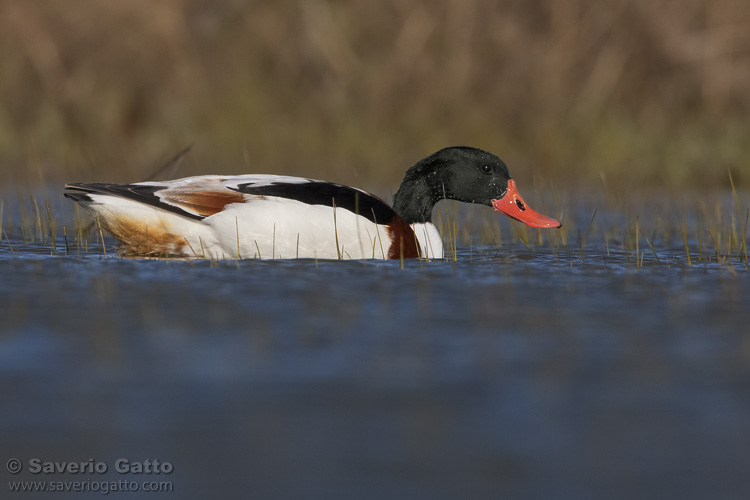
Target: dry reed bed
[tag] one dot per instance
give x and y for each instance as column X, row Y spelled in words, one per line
column 356, row 91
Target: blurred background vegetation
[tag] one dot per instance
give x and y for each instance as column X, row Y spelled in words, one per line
column 639, row 92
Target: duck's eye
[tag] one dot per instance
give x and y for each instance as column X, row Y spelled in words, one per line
column 486, row 169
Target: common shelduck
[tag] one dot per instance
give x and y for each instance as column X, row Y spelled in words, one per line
column 280, row 217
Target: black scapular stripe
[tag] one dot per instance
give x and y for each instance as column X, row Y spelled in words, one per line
column 140, row 193
column 327, row 194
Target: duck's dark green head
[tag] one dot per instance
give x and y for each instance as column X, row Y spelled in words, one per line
column 465, row 174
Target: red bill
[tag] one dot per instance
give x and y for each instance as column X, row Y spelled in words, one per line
column 514, row 207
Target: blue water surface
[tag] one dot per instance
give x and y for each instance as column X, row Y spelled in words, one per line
column 544, row 372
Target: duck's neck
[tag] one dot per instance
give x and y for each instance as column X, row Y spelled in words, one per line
column 414, row 200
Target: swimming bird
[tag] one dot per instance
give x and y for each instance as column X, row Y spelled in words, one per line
column 281, row 217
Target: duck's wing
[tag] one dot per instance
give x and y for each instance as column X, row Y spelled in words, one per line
column 193, row 197
column 314, row 192
column 203, row 196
